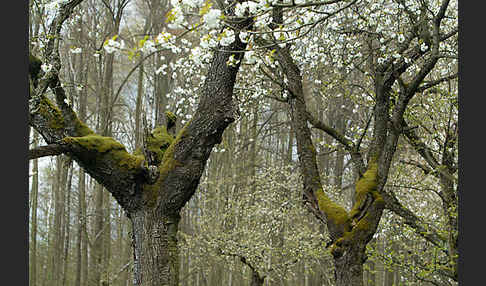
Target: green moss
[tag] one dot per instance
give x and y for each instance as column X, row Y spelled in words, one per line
column 333, row 211
column 312, row 148
column 171, row 119
column 82, row 129
column 363, row 224
column 96, row 143
column 169, row 163
column 366, row 184
column 52, row 113
column 105, row 148
column 159, row 142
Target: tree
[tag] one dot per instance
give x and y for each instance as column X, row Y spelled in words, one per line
column 418, row 51
column 151, row 188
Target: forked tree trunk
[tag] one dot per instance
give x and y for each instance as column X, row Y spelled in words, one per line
column 153, row 188
column 349, row 231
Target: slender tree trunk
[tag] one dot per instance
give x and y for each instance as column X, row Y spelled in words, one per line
column 56, row 254
column 138, row 107
column 33, row 230
column 96, row 253
column 81, row 230
column 106, row 235
column 339, row 159
column 67, row 227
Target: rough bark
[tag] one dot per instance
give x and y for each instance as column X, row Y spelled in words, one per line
column 156, row 260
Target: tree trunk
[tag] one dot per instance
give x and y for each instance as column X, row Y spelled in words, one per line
column 138, row 107
column 67, row 226
column 106, row 236
column 349, row 267
column 349, row 231
column 80, row 244
column 256, row 280
column 96, row 253
column 33, row 230
column 156, row 260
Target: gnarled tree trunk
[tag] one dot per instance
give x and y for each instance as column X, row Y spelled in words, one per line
column 153, row 188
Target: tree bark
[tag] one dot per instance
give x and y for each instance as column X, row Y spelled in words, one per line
column 67, row 219
column 81, row 230
column 156, row 260
column 96, row 255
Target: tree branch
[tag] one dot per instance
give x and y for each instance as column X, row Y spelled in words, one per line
column 47, row 150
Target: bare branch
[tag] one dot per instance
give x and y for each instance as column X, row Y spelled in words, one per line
column 433, row 83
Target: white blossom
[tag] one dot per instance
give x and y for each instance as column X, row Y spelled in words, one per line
column 423, row 47
column 401, row 38
column 161, row 69
column 212, row 18
column 227, row 37
column 46, row 67
column 76, row 50
column 148, row 47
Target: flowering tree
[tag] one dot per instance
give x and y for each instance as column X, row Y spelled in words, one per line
column 397, row 65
